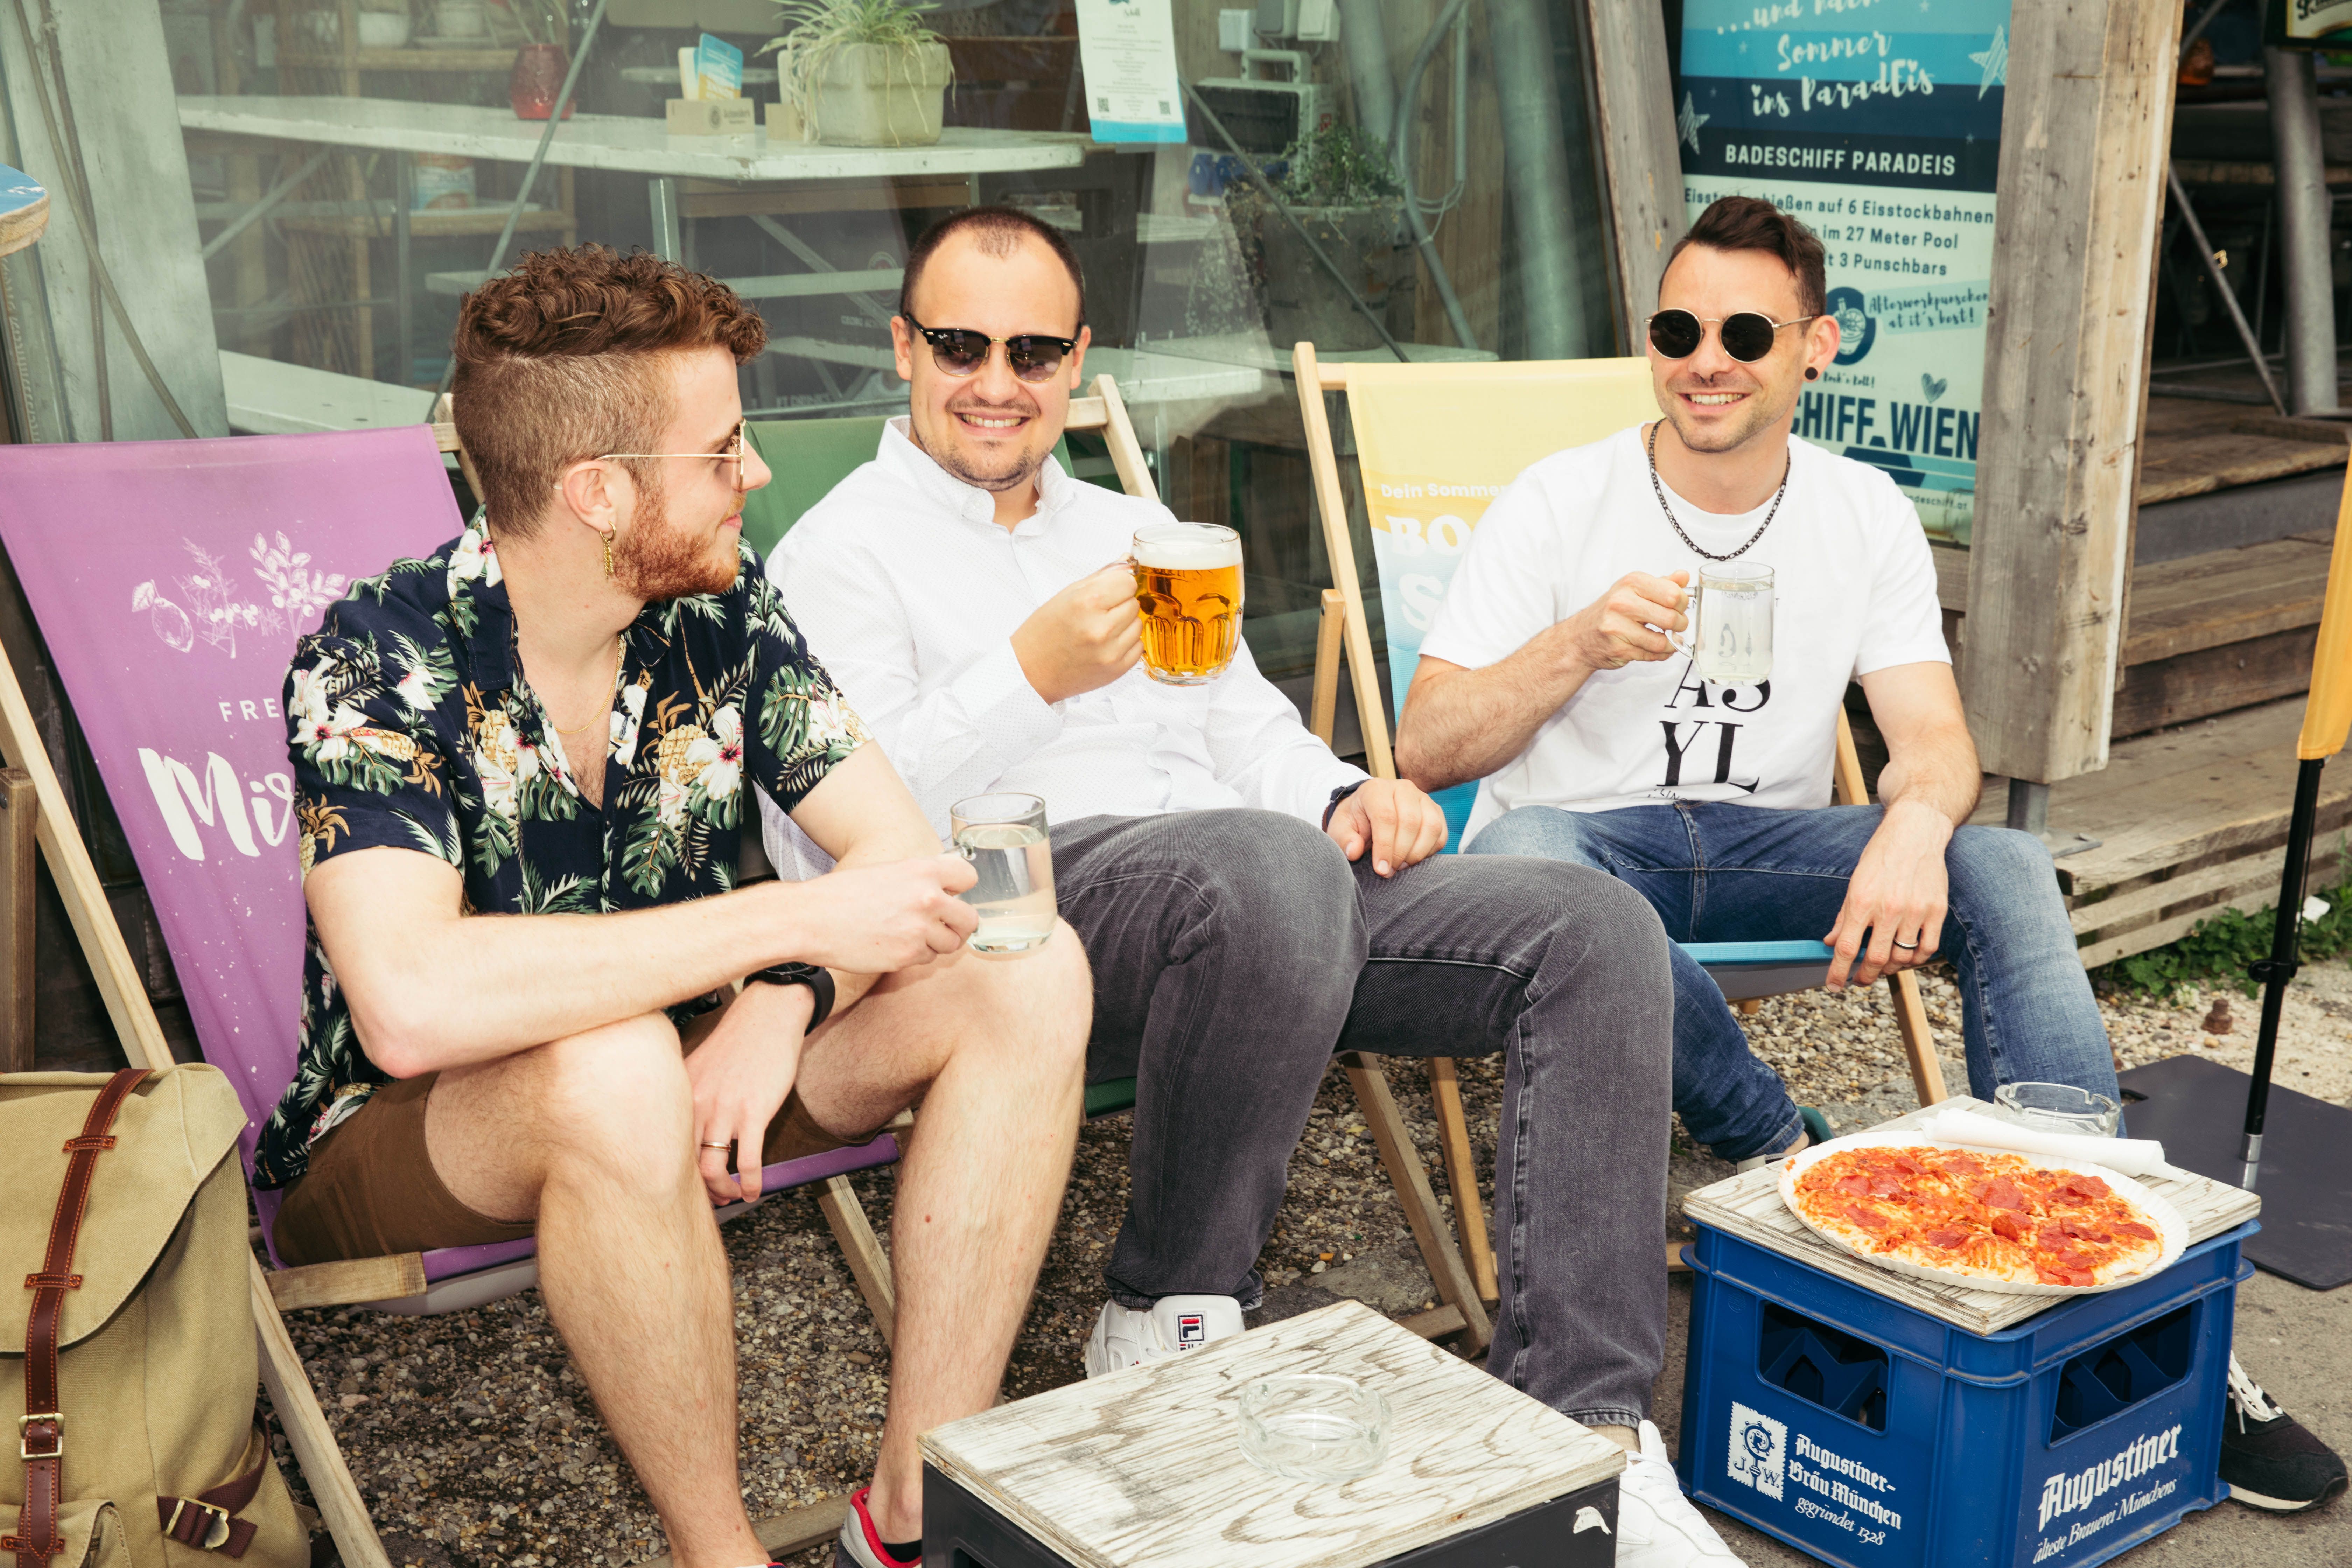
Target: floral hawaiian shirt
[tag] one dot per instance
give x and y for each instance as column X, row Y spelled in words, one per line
column 412, row 725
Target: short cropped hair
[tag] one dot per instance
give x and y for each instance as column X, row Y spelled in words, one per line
column 561, row 360
column 1751, row 223
column 997, row 231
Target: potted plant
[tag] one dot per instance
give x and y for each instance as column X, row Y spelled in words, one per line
column 1336, row 181
column 861, row 73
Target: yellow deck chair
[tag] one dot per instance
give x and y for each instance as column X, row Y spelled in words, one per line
column 1433, row 443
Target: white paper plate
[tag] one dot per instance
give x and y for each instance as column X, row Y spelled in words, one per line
column 2169, row 1225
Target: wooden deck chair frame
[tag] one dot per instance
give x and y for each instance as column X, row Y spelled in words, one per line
column 1344, row 636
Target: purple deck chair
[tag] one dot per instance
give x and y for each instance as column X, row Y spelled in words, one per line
column 170, row 579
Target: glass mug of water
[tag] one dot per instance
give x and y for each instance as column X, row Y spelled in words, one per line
column 1004, row 836
column 1730, row 611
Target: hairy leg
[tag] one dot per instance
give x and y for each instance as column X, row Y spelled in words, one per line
column 594, row 1135
column 1001, row 1045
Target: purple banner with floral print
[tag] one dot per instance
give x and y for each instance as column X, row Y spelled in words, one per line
column 170, row 579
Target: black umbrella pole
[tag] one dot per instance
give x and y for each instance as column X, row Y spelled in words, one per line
column 2275, row 971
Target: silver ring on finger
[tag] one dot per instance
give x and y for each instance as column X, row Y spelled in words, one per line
column 1908, row 946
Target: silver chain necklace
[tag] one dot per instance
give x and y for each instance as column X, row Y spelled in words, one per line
column 1676, row 523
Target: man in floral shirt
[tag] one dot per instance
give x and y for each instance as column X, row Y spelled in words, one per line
column 556, row 719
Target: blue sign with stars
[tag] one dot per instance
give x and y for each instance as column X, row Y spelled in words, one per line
column 1877, row 122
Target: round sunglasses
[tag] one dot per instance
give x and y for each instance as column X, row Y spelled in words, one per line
column 1748, row 335
column 960, row 352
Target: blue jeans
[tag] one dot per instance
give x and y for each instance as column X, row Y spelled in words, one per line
column 1719, row 872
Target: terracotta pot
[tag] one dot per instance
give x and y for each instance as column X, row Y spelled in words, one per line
column 538, row 77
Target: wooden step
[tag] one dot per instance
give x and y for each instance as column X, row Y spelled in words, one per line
column 2192, row 821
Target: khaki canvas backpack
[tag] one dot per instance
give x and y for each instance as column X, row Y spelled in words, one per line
column 126, row 1329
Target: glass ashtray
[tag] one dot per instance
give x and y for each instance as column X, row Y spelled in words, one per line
column 1314, row 1427
column 2058, row 1107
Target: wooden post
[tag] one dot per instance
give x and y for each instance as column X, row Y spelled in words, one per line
column 19, row 814
column 1635, row 92
column 2082, row 155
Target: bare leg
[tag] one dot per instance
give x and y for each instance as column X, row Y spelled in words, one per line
column 1003, row 1044
column 594, row 1135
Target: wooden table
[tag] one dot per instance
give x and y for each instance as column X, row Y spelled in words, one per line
column 1750, row 1207
column 24, row 210
column 1144, row 1469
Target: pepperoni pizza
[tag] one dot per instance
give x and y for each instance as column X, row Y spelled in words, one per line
column 2001, row 1218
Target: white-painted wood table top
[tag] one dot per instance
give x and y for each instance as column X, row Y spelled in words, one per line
column 631, row 144
column 1750, row 1207
column 1144, row 1469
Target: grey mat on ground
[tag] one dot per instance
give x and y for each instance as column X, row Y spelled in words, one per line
column 2197, row 1109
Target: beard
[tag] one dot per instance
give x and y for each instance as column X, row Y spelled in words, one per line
column 656, row 559
column 1003, row 471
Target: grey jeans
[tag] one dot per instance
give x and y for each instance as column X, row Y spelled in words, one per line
column 1235, row 950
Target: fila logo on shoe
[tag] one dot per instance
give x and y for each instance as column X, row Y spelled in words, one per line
column 1192, row 1330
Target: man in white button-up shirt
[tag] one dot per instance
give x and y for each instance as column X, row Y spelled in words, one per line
column 974, row 603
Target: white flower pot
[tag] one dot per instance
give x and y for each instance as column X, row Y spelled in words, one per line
column 874, row 95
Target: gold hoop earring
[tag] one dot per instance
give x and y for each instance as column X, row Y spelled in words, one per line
column 608, row 551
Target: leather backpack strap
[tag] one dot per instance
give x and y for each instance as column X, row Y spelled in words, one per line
column 203, row 1522
column 41, row 1434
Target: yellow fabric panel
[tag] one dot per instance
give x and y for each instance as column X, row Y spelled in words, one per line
column 1435, row 443
column 1477, row 425
column 2327, row 712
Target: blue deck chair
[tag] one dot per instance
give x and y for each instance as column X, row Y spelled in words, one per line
column 1589, row 399
column 809, row 457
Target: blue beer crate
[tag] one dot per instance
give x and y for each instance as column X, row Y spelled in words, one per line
column 1873, row 1435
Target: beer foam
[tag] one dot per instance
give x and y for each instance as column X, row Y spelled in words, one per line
column 1187, row 553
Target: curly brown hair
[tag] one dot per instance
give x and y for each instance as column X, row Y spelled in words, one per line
column 556, row 363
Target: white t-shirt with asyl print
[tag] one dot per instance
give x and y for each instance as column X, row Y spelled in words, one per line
column 1856, row 592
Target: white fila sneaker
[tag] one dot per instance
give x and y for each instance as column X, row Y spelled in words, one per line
column 1124, row 1337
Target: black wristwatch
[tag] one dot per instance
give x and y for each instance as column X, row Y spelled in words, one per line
column 1342, row 793
column 816, row 976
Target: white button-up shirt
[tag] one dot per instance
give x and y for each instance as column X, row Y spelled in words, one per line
column 909, row 593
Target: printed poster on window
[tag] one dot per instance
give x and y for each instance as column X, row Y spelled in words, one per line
column 1127, row 52
column 1878, row 123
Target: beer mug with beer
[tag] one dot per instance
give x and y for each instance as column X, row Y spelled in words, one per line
column 1188, row 586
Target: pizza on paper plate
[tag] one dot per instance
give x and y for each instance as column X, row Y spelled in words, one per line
column 1998, row 1218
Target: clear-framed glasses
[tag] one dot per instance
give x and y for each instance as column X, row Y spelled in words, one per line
column 730, row 457
column 960, row 351
column 1748, row 335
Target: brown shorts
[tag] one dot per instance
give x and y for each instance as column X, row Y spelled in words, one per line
column 371, row 1189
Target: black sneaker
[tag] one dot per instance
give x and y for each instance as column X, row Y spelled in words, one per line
column 2270, row 1459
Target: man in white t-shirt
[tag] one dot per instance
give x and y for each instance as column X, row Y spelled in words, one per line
column 1550, row 676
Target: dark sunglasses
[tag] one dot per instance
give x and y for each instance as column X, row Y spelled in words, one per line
column 959, row 351
column 1748, row 335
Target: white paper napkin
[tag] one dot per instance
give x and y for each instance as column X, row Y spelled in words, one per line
column 2132, row 1156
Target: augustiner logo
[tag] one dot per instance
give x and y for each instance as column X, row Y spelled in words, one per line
column 2064, row 1493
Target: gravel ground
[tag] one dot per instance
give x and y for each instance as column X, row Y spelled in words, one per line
column 474, row 1442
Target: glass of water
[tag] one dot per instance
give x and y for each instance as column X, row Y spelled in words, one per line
column 1004, row 836
column 1314, row 1427
column 1730, row 610
column 2058, row 1107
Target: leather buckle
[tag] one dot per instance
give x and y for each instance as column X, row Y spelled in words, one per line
column 25, row 1443
column 216, row 1533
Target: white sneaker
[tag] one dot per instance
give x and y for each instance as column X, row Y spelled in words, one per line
column 1124, row 1337
column 1657, row 1527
